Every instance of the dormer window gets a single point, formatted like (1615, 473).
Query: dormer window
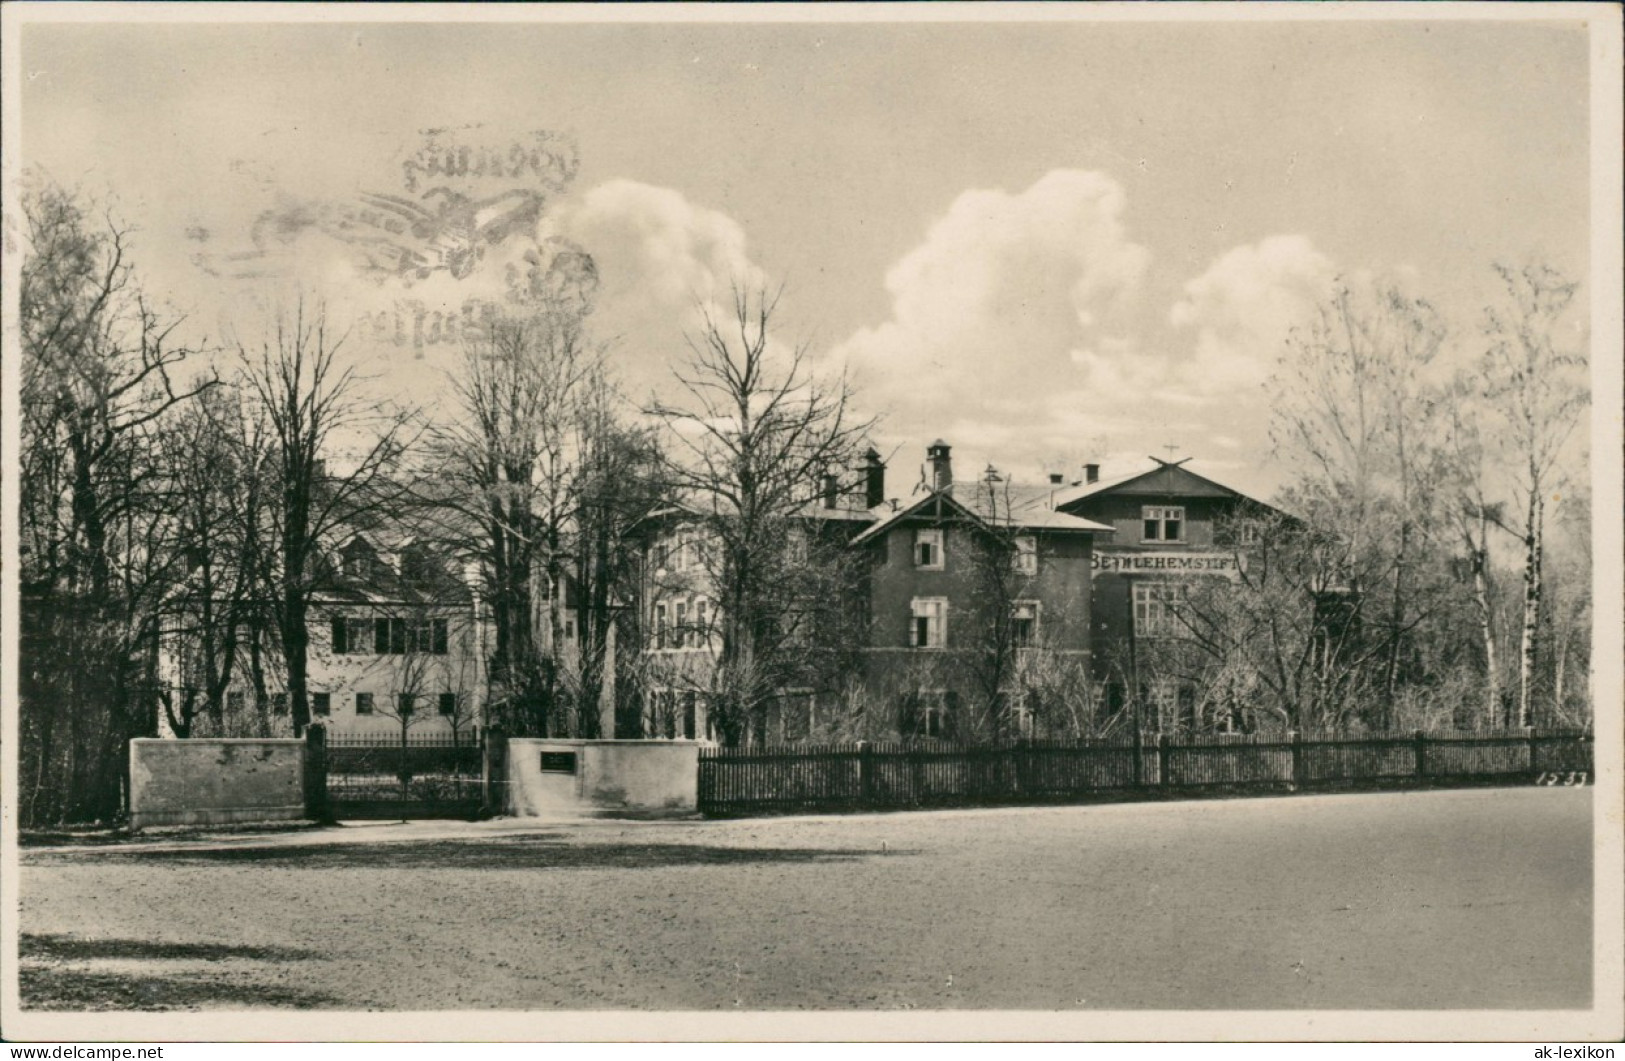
(928, 549)
(1163, 523)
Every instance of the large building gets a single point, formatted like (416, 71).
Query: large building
(975, 608)
(952, 596)
(393, 645)
(1173, 531)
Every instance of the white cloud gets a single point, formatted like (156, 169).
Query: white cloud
(1011, 302)
(1243, 308)
(659, 256)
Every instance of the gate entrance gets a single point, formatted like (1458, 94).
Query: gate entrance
(380, 776)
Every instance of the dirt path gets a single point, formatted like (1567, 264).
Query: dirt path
(1471, 899)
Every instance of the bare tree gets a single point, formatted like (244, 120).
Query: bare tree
(749, 444)
(1354, 413)
(215, 471)
(98, 367)
(510, 459)
(618, 485)
(1534, 384)
(1474, 515)
(309, 408)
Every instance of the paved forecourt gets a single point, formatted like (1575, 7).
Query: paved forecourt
(1475, 899)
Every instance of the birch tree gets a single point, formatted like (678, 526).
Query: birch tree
(1533, 384)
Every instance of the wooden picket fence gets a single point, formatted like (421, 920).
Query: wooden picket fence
(907, 774)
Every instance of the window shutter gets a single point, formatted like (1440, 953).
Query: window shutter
(440, 637)
(339, 646)
(380, 636)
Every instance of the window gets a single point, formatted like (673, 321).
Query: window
(279, 703)
(395, 637)
(405, 704)
(352, 636)
(448, 704)
(1156, 609)
(690, 708)
(363, 703)
(928, 626)
(1017, 710)
(321, 704)
(660, 626)
(1164, 523)
(928, 549)
(670, 715)
(234, 701)
(1249, 533)
(1025, 559)
(680, 633)
(795, 546)
(797, 715)
(933, 720)
(1024, 623)
(388, 636)
(427, 636)
(1162, 698)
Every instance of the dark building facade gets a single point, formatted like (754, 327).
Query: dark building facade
(1175, 534)
(964, 592)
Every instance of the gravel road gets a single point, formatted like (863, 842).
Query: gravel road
(1420, 900)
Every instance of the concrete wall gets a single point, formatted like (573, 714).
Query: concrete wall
(613, 778)
(209, 782)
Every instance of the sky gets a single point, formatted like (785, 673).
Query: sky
(1045, 243)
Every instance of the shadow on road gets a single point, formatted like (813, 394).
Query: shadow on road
(57, 988)
(536, 852)
(52, 975)
(72, 948)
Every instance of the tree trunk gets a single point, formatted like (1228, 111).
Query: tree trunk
(1486, 631)
(1531, 608)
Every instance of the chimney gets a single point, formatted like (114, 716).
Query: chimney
(942, 468)
(1056, 478)
(830, 490)
(874, 479)
(1091, 473)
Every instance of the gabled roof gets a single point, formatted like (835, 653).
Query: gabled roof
(1167, 479)
(993, 508)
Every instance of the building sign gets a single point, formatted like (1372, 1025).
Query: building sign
(1225, 565)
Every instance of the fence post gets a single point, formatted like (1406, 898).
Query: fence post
(1162, 759)
(1421, 739)
(1529, 732)
(1297, 758)
(1139, 756)
(493, 765)
(315, 763)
